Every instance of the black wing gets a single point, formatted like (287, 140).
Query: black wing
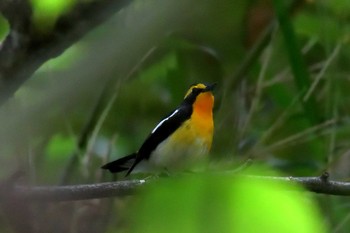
(161, 132)
(121, 164)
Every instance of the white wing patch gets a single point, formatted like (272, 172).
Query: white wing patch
(165, 119)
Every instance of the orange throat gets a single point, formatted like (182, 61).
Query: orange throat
(202, 117)
(203, 106)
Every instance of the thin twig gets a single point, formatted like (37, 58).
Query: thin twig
(341, 224)
(301, 134)
(84, 136)
(97, 127)
(322, 72)
(258, 91)
(280, 120)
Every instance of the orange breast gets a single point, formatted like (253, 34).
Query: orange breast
(202, 117)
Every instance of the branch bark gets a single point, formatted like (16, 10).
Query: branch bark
(71, 192)
(319, 185)
(123, 188)
(25, 49)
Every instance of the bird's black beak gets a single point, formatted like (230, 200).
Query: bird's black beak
(210, 87)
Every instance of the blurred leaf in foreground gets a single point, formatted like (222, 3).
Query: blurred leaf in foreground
(214, 203)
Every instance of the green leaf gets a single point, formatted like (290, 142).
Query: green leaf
(4, 27)
(209, 203)
(300, 72)
(45, 12)
(59, 146)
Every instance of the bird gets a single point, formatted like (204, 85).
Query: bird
(180, 141)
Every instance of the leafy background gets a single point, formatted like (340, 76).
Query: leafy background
(287, 109)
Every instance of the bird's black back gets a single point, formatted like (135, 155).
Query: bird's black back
(162, 132)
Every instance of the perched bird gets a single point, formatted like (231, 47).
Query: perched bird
(180, 141)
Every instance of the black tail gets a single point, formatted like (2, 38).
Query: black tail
(121, 164)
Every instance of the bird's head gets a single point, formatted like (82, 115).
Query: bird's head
(200, 96)
(196, 89)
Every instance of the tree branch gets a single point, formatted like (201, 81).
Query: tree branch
(72, 192)
(122, 188)
(25, 48)
(315, 184)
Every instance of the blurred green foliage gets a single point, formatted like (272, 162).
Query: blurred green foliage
(212, 203)
(4, 27)
(149, 53)
(45, 12)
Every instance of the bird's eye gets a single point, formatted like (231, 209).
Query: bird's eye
(196, 90)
